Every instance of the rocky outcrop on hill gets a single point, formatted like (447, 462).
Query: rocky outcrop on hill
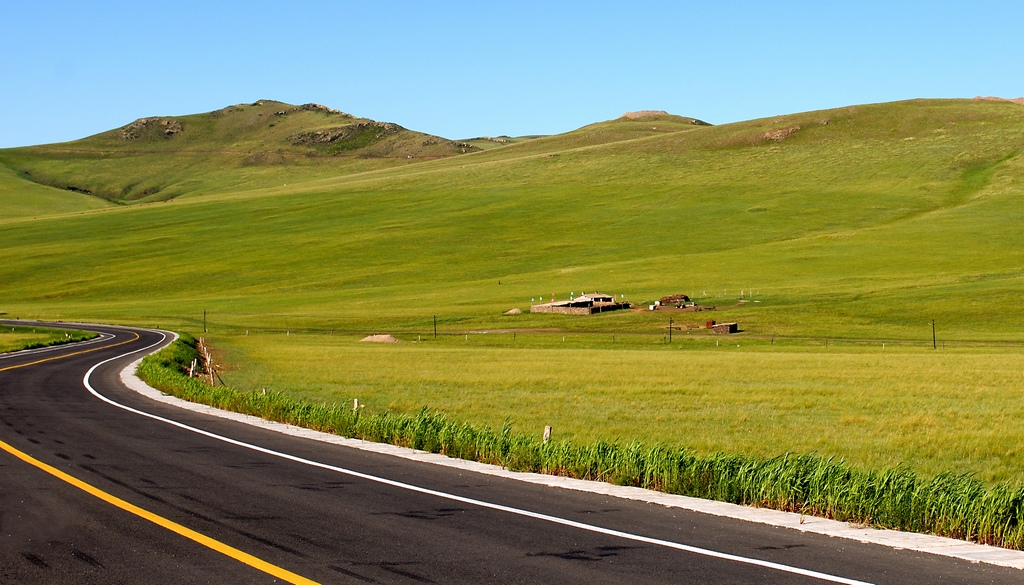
(312, 108)
(780, 134)
(319, 108)
(366, 131)
(149, 126)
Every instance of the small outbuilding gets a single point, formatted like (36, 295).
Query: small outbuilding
(723, 328)
(585, 304)
(677, 300)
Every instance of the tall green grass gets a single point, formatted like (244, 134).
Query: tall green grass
(953, 505)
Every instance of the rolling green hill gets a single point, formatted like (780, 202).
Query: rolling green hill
(159, 158)
(856, 226)
(875, 216)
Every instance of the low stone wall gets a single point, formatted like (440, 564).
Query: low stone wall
(560, 310)
(601, 308)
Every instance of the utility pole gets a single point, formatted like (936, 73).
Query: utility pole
(435, 326)
(670, 329)
(933, 335)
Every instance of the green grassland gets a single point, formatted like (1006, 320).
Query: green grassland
(856, 224)
(22, 199)
(16, 338)
(933, 411)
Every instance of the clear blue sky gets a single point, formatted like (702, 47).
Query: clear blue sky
(465, 69)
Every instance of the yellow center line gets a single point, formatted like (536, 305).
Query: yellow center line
(67, 355)
(188, 533)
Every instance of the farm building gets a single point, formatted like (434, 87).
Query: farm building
(725, 328)
(585, 304)
(677, 300)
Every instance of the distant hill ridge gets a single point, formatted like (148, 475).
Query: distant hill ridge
(269, 144)
(656, 114)
(228, 148)
(269, 124)
(1019, 100)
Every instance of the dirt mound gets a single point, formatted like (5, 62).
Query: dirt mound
(380, 339)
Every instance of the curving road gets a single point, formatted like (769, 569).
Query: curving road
(99, 484)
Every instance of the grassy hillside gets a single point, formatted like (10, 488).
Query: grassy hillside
(20, 198)
(884, 218)
(262, 143)
(861, 223)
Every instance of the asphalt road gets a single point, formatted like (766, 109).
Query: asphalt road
(351, 519)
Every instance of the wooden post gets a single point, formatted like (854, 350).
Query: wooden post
(204, 321)
(670, 329)
(209, 362)
(933, 334)
(435, 326)
(547, 434)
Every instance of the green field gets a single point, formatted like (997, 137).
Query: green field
(952, 410)
(16, 338)
(859, 226)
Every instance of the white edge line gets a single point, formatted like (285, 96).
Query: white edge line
(474, 502)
